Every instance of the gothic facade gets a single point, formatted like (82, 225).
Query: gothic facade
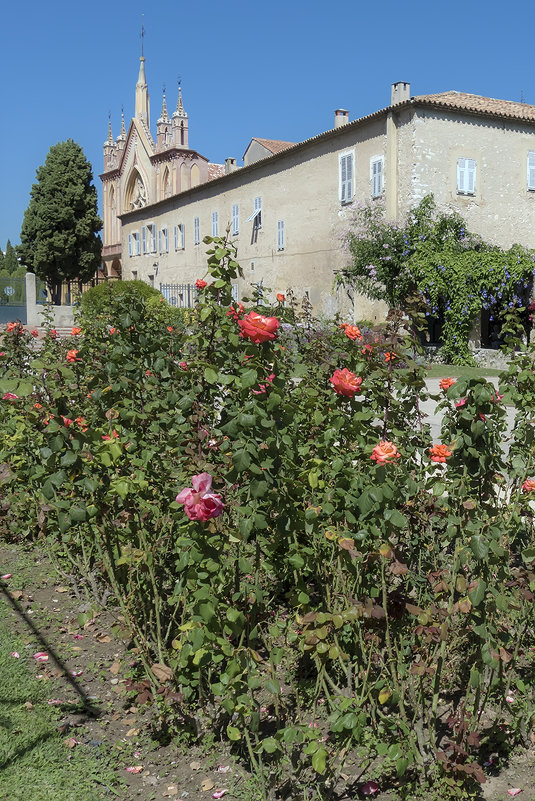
(140, 170)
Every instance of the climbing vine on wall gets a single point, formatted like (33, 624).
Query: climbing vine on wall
(431, 255)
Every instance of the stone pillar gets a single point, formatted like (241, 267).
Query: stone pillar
(32, 310)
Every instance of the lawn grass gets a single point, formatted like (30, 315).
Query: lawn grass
(35, 762)
(456, 371)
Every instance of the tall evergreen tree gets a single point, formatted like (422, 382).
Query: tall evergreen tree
(1, 259)
(59, 236)
(10, 262)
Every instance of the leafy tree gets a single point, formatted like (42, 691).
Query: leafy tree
(10, 261)
(431, 262)
(59, 236)
(1, 259)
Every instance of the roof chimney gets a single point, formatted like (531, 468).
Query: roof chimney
(341, 117)
(230, 165)
(401, 91)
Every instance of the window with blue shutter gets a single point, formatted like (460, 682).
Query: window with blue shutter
(280, 235)
(129, 244)
(182, 231)
(165, 240)
(196, 231)
(144, 238)
(176, 237)
(376, 170)
(346, 177)
(215, 223)
(466, 176)
(235, 220)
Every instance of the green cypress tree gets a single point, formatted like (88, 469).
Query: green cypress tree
(10, 262)
(59, 236)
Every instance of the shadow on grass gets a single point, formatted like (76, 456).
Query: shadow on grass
(87, 707)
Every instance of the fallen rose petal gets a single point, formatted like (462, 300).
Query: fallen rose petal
(78, 636)
(15, 654)
(514, 791)
(224, 769)
(6, 576)
(510, 699)
(370, 788)
(41, 656)
(76, 673)
(54, 701)
(135, 769)
(219, 793)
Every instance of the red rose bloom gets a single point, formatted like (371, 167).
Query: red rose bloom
(351, 331)
(446, 383)
(258, 328)
(200, 284)
(345, 382)
(439, 453)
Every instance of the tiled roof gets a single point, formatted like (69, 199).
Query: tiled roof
(274, 145)
(215, 170)
(479, 104)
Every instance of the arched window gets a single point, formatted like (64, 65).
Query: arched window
(136, 194)
(166, 183)
(195, 175)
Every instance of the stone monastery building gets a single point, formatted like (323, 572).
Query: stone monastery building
(290, 204)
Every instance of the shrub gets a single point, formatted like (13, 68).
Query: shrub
(341, 585)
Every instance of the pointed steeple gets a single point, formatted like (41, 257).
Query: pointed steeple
(122, 135)
(109, 147)
(180, 122)
(109, 140)
(164, 116)
(179, 111)
(142, 94)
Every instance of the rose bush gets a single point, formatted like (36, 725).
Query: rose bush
(350, 599)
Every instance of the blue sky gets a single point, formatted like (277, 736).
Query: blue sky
(275, 70)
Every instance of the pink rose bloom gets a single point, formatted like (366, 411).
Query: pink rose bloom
(199, 502)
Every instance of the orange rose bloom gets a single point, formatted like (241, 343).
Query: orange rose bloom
(446, 383)
(280, 297)
(75, 331)
(345, 382)
(529, 485)
(439, 453)
(385, 452)
(72, 356)
(258, 328)
(351, 331)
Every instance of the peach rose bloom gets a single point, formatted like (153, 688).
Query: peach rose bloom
(385, 452)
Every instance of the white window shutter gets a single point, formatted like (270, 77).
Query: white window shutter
(346, 177)
(471, 176)
(129, 244)
(182, 236)
(160, 240)
(235, 219)
(280, 235)
(343, 178)
(461, 173)
(531, 170)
